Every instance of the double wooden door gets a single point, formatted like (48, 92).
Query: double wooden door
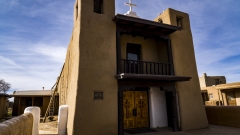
(135, 107)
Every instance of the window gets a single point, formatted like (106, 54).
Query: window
(216, 81)
(179, 22)
(210, 95)
(133, 57)
(98, 6)
(133, 51)
(26, 101)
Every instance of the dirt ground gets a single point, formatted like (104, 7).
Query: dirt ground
(49, 127)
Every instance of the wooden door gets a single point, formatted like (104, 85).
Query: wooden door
(128, 106)
(135, 104)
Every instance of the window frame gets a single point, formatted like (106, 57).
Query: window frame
(98, 8)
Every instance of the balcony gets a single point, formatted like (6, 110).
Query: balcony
(145, 67)
(133, 69)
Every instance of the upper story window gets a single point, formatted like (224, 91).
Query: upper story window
(133, 51)
(98, 6)
(179, 22)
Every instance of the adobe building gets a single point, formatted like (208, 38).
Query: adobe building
(3, 105)
(222, 94)
(124, 72)
(206, 81)
(26, 98)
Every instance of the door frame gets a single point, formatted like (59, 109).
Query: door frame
(131, 85)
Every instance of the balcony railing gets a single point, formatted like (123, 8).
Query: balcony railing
(145, 67)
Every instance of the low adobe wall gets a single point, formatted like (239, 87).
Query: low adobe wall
(21, 125)
(224, 115)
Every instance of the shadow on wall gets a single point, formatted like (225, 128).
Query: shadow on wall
(223, 115)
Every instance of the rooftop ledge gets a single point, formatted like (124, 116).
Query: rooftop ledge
(133, 22)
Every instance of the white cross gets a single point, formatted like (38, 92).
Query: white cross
(130, 4)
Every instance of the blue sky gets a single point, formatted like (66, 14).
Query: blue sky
(34, 36)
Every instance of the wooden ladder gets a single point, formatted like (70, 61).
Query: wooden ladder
(50, 109)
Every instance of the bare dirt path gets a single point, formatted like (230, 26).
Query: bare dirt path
(49, 127)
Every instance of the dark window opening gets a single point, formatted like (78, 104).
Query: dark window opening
(98, 6)
(216, 81)
(133, 51)
(133, 57)
(26, 101)
(38, 101)
(179, 22)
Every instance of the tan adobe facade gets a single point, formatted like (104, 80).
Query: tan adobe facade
(206, 81)
(222, 94)
(123, 72)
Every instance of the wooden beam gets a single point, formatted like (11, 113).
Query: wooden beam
(118, 49)
(170, 57)
(120, 113)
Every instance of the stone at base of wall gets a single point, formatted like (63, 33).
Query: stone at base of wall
(21, 125)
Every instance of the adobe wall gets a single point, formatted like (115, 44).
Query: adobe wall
(151, 49)
(90, 66)
(210, 80)
(192, 111)
(97, 72)
(223, 115)
(206, 81)
(68, 79)
(214, 91)
(21, 125)
(202, 82)
(44, 107)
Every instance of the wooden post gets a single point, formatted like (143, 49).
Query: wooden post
(170, 57)
(175, 111)
(118, 49)
(120, 113)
